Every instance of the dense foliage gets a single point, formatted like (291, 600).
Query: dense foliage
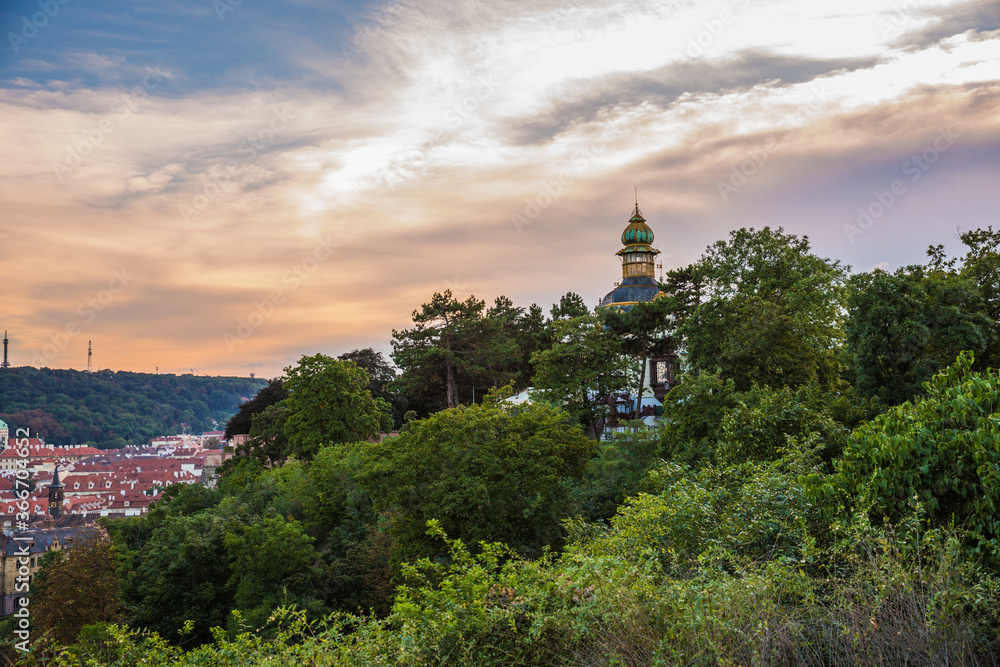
(113, 409)
(821, 490)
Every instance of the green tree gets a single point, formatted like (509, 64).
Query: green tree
(769, 312)
(904, 327)
(76, 586)
(937, 458)
(487, 472)
(570, 305)
(693, 412)
(267, 442)
(381, 375)
(765, 422)
(431, 354)
(583, 370)
(617, 470)
(646, 330)
(183, 575)
(329, 403)
(274, 392)
(272, 564)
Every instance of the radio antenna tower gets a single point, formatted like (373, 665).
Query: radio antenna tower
(90, 357)
(5, 364)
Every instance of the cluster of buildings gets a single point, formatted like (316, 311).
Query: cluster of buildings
(68, 488)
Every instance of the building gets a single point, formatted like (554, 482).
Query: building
(639, 285)
(37, 451)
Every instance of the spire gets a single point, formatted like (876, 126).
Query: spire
(55, 494)
(637, 214)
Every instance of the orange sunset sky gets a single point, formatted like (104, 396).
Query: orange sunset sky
(225, 186)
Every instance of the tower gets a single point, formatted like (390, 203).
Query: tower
(5, 364)
(639, 285)
(55, 494)
(90, 357)
(638, 266)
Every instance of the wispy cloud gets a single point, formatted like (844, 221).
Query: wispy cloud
(411, 133)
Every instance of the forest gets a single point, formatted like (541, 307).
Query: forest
(108, 409)
(821, 488)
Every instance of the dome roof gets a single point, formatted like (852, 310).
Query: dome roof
(637, 231)
(632, 290)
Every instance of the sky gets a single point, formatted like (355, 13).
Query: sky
(223, 186)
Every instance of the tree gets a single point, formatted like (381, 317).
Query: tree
(432, 352)
(267, 442)
(570, 305)
(272, 564)
(764, 420)
(76, 586)
(904, 327)
(936, 458)
(271, 394)
(183, 575)
(487, 472)
(646, 330)
(769, 311)
(329, 403)
(531, 335)
(381, 375)
(582, 370)
(693, 412)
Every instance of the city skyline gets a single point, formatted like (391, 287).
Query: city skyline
(222, 187)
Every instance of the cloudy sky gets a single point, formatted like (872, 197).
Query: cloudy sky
(223, 186)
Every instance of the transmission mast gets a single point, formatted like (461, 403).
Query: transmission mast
(90, 357)
(5, 364)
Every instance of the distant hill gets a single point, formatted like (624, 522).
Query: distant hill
(109, 410)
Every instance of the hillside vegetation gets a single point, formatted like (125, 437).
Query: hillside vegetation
(113, 409)
(821, 490)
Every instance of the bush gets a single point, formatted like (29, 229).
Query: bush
(938, 457)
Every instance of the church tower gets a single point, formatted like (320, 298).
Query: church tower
(55, 494)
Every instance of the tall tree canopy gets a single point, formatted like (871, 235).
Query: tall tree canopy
(584, 368)
(440, 343)
(768, 313)
(487, 472)
(77, 586)
(270, 394)
(459, 350)
(329, 403)
(905, 326)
